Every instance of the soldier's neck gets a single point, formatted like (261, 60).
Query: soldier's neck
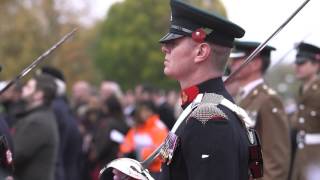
(198, 78)
(307, 83)
(249, 79)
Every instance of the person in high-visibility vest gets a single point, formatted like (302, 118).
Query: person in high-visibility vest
(147, 134)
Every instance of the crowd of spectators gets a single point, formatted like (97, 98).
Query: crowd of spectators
(87, 128)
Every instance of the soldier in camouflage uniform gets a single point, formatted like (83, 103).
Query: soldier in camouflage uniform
(265, 108)
(307, 118)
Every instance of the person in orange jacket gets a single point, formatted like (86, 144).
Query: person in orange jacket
(147, 134)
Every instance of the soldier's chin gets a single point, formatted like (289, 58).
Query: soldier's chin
(166, 72)
(301, 77)
(169, 74)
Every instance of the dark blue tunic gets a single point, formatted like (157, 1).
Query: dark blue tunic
(216, 150)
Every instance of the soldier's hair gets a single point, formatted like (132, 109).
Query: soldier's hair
(47, 85)
(220, 57)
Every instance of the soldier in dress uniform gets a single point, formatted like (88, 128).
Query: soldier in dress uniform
(265, 108)
(212, 142)
(306, 119)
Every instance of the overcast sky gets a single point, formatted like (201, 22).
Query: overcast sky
(260, 18)
(101, 7)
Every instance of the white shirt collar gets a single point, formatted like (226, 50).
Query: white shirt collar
(249, 87)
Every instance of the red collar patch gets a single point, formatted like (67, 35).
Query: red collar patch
(189, 94)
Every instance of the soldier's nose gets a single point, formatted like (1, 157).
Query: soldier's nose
(164, 49)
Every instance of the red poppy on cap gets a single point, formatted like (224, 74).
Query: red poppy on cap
(199, 35)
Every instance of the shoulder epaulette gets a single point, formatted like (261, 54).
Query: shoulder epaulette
(208, 109)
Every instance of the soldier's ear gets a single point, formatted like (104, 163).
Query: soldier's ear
(203, 51)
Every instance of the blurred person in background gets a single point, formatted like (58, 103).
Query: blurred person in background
(110, 134)
(11, 103)
(81, 92)
(89, 125)
(143, 92)
(36, 135)
(264, 106)
(108, 89)
(232, 86)
(70, 139)
(174, 100)
(148, 92)
(165, 111)
(86, 107)
(128, 102)
(92, 115)
(146, 135)
(305, 121)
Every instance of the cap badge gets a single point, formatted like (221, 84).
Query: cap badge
(199, 35)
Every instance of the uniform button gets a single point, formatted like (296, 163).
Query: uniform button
(301, 107)
(254, 113)
(255, 92)
(265, 87)
(313, 113)
(274, 110)
(300, 145)
(315, 87)
(300, 139)
(271, 92)
(301, 120)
